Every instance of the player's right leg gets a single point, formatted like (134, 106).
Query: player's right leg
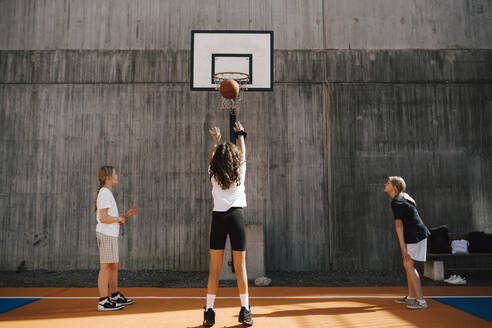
(218, 236)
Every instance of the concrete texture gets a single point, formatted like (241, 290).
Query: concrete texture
(312, 24)
(437, 136)
(89, 83)
(299, 66)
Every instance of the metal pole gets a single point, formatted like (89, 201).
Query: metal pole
(232, 121)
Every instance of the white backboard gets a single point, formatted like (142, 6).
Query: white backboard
(249, 52)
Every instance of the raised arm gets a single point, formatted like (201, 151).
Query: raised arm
(240, 140)
(215, 133)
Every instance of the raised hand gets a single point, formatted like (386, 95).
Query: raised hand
(238, 127)
(215, 133)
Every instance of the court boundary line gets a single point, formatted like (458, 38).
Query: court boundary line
(237, 297)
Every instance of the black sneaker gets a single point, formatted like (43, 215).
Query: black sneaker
(119, 299)
(106, 304)
(245, 316)
(208, 317)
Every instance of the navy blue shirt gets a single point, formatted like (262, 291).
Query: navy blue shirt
(414, 230)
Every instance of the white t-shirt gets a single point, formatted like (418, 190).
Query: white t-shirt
(234, 196)
(105, 199)
(460, 246)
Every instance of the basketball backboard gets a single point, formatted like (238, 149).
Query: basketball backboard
(249, 52)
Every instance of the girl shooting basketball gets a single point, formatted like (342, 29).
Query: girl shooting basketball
(412, 236)
(107, 231)
(227, 170)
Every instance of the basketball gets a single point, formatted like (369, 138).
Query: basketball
(229, 89)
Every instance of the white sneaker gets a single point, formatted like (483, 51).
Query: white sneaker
(263, 281)
(418, 305)
(458, 281)
(405, 300)
(107, 305)
(450, 278)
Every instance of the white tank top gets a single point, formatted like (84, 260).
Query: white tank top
(234, 196)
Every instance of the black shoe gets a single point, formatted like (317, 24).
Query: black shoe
(208, 317)
(245, 316)
(106, 304)
(119, 299)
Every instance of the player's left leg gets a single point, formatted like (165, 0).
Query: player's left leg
(419, 303)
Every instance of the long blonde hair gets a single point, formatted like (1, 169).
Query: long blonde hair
(102, 174)
(400, 186)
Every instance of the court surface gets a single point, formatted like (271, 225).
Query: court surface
(271, 307)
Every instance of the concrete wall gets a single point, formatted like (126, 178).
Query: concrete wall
(55, 136)
(88, 83)
(310, 24)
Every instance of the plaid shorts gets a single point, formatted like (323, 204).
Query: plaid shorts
(108, 248)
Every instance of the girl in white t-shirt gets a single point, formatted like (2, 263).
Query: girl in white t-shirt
(227, 170)
(107, 232)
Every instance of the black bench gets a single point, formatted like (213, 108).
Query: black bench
(434, 267)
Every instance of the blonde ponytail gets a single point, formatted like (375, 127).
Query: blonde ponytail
(410, 199)
(400, 186)
(94, 208)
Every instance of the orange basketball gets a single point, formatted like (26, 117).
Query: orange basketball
(229, 89)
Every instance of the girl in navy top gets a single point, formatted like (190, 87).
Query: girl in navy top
(412, 236)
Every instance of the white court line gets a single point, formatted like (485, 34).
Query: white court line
(231, 297)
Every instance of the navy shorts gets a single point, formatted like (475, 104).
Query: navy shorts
(229, 223)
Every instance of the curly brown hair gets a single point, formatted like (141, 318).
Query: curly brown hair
(225, 163)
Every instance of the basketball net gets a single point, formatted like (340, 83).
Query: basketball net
(232, 104)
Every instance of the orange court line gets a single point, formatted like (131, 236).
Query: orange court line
(267, 312)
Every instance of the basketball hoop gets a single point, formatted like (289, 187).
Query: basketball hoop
(242, 79)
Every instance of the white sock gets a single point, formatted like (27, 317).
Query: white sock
(210, 301)
(244, 300)
(410, 298)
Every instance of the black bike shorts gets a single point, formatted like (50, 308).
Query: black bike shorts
(229, 223)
